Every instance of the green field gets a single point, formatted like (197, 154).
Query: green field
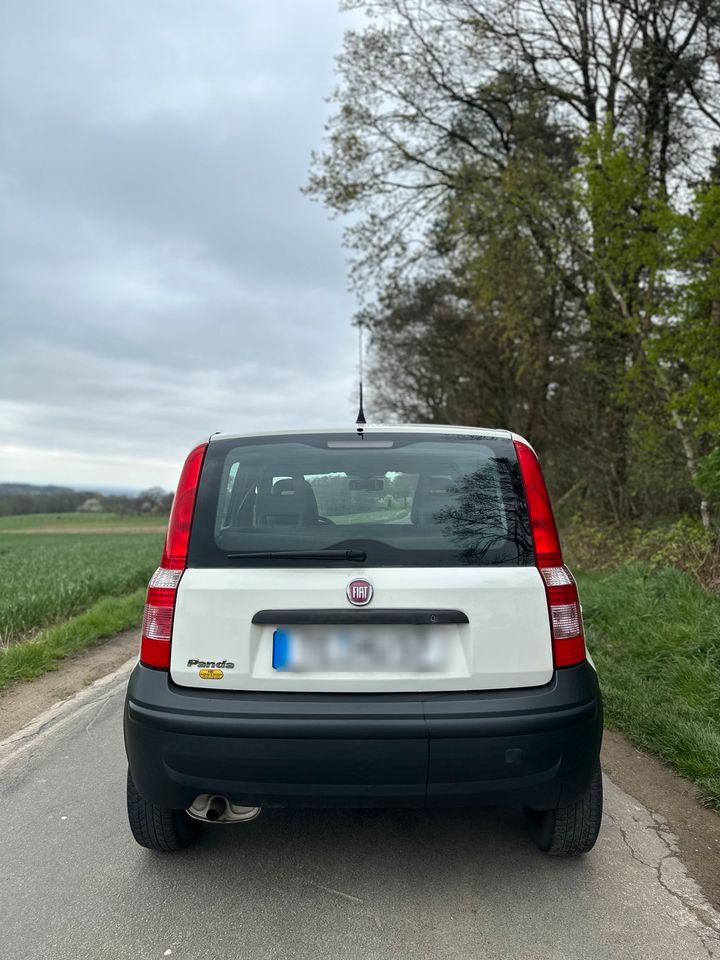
(61, 521)
(67, 581)
(45, 578)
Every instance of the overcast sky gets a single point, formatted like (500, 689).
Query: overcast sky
(161, 276)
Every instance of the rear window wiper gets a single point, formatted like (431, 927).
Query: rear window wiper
(299, 555)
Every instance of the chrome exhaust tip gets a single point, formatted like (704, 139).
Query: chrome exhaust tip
(212, 808)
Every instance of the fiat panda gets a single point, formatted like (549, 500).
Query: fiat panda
(373, 618)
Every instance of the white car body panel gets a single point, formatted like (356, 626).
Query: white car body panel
(505, 644)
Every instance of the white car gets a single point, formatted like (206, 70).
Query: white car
(378, 618)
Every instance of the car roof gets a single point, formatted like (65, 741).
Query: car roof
(373, 429)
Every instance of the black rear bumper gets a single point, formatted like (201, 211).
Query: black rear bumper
(535, 746)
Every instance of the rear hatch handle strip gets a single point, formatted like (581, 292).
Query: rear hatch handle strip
(393, 616)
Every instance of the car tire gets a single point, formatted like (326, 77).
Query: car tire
(166, 831)
(572, 830)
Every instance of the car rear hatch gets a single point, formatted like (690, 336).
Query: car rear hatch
(397, 562)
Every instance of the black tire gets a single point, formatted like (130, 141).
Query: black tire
(570, 831)
(156, 828)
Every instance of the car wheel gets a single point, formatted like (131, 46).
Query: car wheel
(157, 828)
(572, 830)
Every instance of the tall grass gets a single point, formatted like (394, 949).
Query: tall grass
(655, 637)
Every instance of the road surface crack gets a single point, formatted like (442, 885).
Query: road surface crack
(624, 837)
(709, 936)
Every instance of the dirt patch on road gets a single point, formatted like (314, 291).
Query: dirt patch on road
(675, 799)
(24, 701)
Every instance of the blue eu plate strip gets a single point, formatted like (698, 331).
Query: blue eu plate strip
(281, 650)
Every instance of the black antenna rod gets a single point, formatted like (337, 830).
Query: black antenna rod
(361, 421)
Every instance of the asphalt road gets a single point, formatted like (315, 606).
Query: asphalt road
(388, 885)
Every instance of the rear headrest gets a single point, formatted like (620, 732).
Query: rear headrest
(289, 502)
(431, 495)
(287, 486)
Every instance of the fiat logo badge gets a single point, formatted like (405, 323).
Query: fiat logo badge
(359, 592)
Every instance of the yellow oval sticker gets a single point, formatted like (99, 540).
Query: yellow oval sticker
(211, 674)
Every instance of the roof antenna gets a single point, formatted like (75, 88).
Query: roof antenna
(361, 421)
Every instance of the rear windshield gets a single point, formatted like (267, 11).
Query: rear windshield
(402, 500)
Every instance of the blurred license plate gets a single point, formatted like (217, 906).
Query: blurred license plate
(368, 650)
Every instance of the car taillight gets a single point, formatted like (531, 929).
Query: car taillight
(158, 618)
(566, 626)
(162, 589)
(178, 534)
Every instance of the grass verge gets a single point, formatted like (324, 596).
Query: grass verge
(655, 637)
(32, 658)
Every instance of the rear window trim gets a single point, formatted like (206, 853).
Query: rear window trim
(204, 553)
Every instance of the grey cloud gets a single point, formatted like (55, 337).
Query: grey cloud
(162, 276)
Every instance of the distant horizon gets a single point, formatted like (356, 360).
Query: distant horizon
(103, 488)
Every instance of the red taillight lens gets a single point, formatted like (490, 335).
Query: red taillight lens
(178, 534)
(566, 626)
(162, 589)
(542, 522)
(158, 618)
